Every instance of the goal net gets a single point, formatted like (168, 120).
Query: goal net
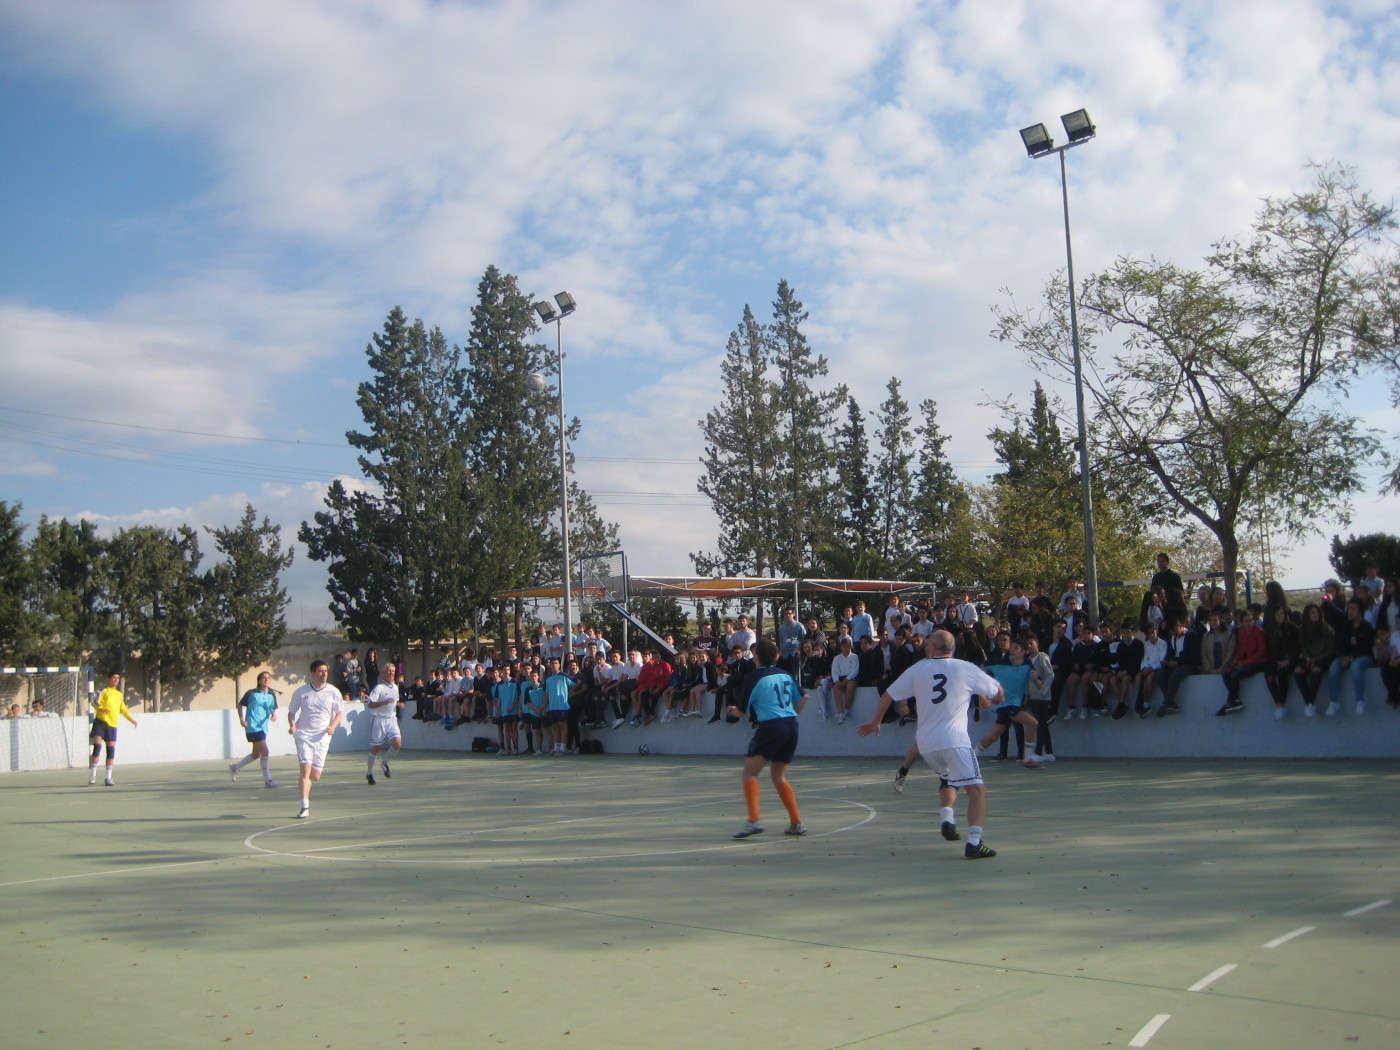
(51, 704)
(602, 578)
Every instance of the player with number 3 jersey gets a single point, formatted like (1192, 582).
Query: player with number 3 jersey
(941, 688)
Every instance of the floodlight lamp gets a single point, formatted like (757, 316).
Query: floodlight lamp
(1078, 126)
(1037, 139)
(566, 303)
(546, 310)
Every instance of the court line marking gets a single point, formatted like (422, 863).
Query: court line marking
(321, 853)
(1148, 1030)
(1289, 936)
(1210, 978)
(1364, 909)
(142, 867)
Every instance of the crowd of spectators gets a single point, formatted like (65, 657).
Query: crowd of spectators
(1135, 666)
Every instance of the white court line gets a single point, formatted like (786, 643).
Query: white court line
(1364, 909)
(1148, 1030)
(1289, 936)
(1210, 978)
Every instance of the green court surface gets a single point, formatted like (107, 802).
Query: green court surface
(589, 902)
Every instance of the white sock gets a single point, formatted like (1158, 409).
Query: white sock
(974, 835)
(305, 805)
(370, 768)
(243, 761)
(267, 774)
(109, 774)
(947, 815)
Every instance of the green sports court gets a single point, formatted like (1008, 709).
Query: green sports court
(599, 902)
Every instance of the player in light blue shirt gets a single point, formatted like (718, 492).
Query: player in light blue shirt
(1014, 679)
(256, 708)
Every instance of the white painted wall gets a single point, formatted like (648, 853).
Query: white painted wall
(185, 736)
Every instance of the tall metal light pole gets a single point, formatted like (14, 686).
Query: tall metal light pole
(1080, 129)
(549, 315)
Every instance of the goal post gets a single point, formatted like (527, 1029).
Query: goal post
(47, 710)
(602, 578)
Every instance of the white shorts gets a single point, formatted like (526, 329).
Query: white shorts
(957, 765)
(383, 730)
(311, 750)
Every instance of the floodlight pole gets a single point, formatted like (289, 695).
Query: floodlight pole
(1043, 147)
(1091, 569)
(549, 315)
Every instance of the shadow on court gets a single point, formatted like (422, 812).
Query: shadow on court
(601, 903)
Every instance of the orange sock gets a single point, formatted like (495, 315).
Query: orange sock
(751, 799)
(789, 798)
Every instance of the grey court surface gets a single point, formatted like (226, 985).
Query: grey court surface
(599, 902)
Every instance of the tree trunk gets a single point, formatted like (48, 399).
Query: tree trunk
(1230, 559)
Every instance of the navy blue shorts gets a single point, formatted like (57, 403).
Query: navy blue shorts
(508, 720)
(255, 738)
(103, 731)
(775, 740)
(555, 717)
(1006, 715)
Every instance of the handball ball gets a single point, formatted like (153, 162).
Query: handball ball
(642, 749)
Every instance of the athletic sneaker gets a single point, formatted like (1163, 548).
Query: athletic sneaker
(1031, 763)
(619, 723)
(950, 831)
(302, 814)
(1121, 711)
(1360, 707)
(1310, 710)
(1143, 709)
(747, 830)
(1168, 709)
(385, 766)
(1083, 714)
(269, 783)
(108, 782)
(233, 771)
(92, 778)
(1332, 709)
(1279, 712)
(795, 829)
(978, 852)
(370, 777)
(1231, 707)
(1045, 758)
(899, 779)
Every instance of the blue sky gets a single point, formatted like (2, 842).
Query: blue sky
(208, 207)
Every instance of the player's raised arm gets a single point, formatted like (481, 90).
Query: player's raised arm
(873, 726)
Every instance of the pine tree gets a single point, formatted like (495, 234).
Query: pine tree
(740, 458)
(856, 526)
(803, 484)
(246, 597)
(394, 547)
(941, 504)
(894, 489)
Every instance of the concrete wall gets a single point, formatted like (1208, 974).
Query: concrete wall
(183, 736)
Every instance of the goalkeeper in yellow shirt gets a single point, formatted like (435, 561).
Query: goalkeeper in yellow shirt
(109, 706)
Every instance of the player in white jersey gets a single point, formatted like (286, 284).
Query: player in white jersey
(313, 716)
(942, 688)
(383, 705)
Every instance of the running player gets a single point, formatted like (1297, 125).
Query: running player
(313, 716)
(947, 794)
(773, 700)
(942, 688)
(383, 703)
(256, 708)
(1015, 678)
(109, 707)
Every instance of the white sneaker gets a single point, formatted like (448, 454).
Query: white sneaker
(1045, 758)
(303, 813)
(747, 830)
(269, 783)
(1309, 710)
(233, 771)
(1083, 714)
(1332, 709)
(92, 777)
(1360, 707)
(1279, 712)
(619, 723)
(899, 783)
(665, 718)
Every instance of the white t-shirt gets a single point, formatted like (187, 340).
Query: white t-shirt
(1153, 653)
(313, 710)
(845, 667)
(924, 628)
(895, 618)
(383, 691)
(941, 688)
(743, 636)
